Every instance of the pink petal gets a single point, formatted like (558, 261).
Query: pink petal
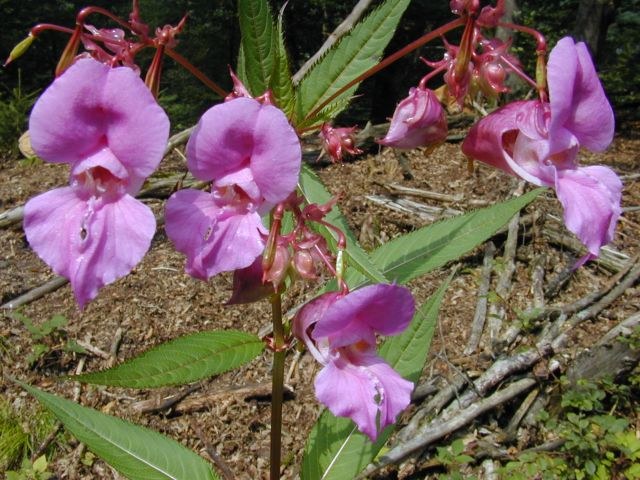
(92, 106)
(380, 308)
(311, 313)
(213, 240)
(578, 102)
(244, 134)
(419, 120)
(367, 391)
(92, 243)
(591, 200)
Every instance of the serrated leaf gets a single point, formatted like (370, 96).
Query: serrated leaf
(281, 83)
(355, 53)
(419, 252)
(136, 452)
(258, 44)
(328, 113)
(180, 361)
(314, 192)
(336, 449)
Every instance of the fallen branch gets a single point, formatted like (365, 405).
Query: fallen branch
(477, 324)
(36, 293)
(441, 428)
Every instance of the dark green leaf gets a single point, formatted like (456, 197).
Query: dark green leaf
(183, 360)
(419, 252)
(136, 452)
(258, 44)
(355, 53)
(281, 83)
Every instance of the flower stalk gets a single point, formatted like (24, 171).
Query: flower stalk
(277, 390)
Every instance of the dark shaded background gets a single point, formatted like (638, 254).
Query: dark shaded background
(210, 41)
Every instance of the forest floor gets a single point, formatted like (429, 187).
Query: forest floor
(230, 413)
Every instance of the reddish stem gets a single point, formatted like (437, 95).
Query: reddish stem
(391, 59)
(196, 72)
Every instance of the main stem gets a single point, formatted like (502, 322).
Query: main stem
(277, 386)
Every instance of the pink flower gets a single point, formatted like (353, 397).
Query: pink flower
(418, 121)
(340, 332)
(252, 156)
(107, 126)
(539, 142)
(338, 141)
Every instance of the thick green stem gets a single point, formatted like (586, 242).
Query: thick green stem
(277, 385)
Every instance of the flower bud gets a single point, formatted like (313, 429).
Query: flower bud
(419, 120)
(304, 264)
(19, 49)
(279, 267)
(338, 141)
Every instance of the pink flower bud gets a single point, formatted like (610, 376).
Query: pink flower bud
(304, 264)
(419, 120)
(338, 141)
(278, 270)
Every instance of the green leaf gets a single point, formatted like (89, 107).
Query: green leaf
(136, 452)
(355, 53)
(257, 43)
(281, 83)
(419, 252)
(183, 360)
(314, 192)
(336, 449)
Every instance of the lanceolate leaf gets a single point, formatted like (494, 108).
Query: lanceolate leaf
(355, 53)
(183, 360)
(281, 83)
(336, 449)
(419, 252)
(136, 452)
(258, 44)
(315, 192)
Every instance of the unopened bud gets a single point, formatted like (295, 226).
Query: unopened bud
(278, 270)
(304, 264)
(20, 49)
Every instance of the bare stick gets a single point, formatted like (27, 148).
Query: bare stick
(38, 292)
(161, 404)
(15, 215)
(227, 473)
(340, 30)
(477, 325)
(440, 428)
(497, 310)
(115, 346)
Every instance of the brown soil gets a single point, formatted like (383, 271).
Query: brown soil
(158, 302)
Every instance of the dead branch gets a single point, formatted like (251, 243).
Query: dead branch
(440, 428)
(36, 293)
(427, 213)
(227, 473)
(346, 25)
(162, 404)
(497, 310)
(477, 324)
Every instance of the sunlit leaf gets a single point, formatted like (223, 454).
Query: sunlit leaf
(183, 360)
(136, 452)
(356, 52)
